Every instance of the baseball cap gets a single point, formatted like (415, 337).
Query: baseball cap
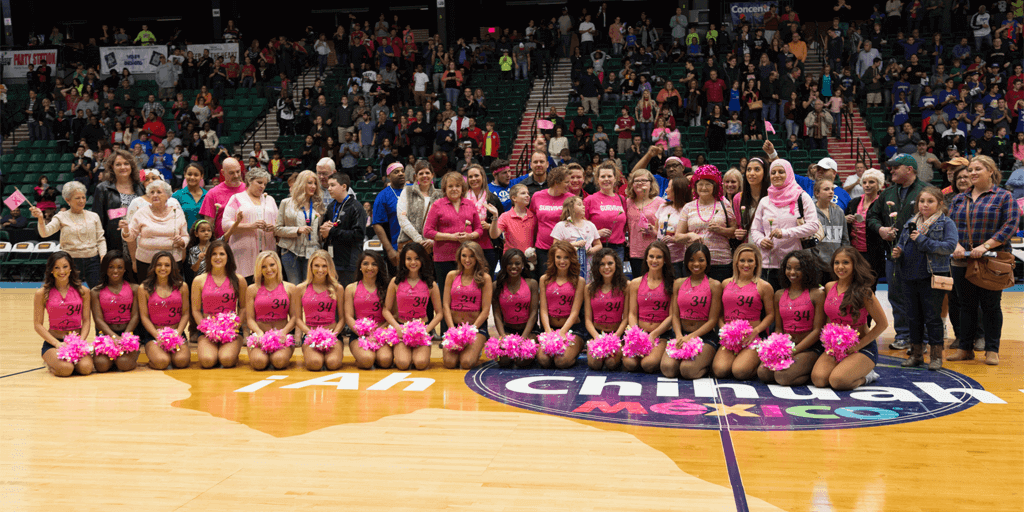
(828, 163)
(956, 162)
(902, 159)
(522, 45)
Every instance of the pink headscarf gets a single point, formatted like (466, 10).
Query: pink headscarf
(789, 193)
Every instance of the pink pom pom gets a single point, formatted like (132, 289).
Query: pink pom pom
(254, 341)
(321, 339)
(222, 328)
(129, 343)
(74, 349)
(369, 344)
(689, 350)
(553, 343)
(274, 340)
(776, 351)
(364, 326)
(838, 339)
(496, 348)
(458, 338)
(605, 345)
(636, 342)
(415, 334)
(169, 340)
(733, 333)
(386, 336)
(520, 348)
(105, 345)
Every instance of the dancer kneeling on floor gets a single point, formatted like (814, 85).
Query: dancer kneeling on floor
(218, 290)
(271, 304)
(848, 301)
(410, 293)
(366, 298)
(560, 303)
(745, 297)
(321, 295)
(467, 299)
(515, 301)
(66, 302)
(799, 312)
(605, 304)
(649, 299)
(162, 304)
(699, 300)
(115, 310)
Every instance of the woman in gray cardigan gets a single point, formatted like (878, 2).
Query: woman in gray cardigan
(833, 233)
(413, 205)
(298, 225)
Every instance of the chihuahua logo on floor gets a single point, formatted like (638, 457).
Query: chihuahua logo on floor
(899, 396)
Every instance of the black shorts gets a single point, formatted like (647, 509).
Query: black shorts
(46, 346)
(710, 338)
(817, 348)
(871, 351)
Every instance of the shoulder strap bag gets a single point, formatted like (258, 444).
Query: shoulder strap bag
(989, 272)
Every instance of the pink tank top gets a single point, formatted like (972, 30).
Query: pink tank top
(741, 303)
(652, 305)
(65, 312)
(219, 299)
(465, 297)
(695, 301)
(560, 298)
(608, 307)
(515, 307)
(320, 308)
(797, 314)
(367, 304)
(117, 307)
(832, 302)
(271, 306)
(412, 300)
(165, 312)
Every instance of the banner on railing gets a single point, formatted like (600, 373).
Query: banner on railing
(225, 50)
(750, 12)
(138, 59)
(16, 62)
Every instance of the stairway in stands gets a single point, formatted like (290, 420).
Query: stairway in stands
(20, 133)
(267, 135)
(558, 97)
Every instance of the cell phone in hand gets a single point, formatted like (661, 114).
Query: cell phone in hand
(911, 227)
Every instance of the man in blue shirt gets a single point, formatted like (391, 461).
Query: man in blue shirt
(827, 169)
(147, 145)
(349, 152)
(162, 162)
(385, 213)
(499, 187)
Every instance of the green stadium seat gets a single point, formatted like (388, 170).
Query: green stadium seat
(718, 158)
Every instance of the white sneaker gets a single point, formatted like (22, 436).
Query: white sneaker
(871, 377)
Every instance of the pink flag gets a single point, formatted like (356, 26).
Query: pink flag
(768, 127)
(544, 124)
(15, 200)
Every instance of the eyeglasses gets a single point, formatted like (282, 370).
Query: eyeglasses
(641, 180)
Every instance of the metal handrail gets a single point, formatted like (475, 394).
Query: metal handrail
(522, 164)
(261, 120)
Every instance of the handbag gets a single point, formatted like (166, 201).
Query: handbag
(989, 272)
(811, 241)
(942, 283)
(755, 105)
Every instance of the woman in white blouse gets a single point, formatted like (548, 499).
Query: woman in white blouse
(255, 232)
(298, 225)
(81, 232)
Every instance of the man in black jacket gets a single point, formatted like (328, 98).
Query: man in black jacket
(344, 227)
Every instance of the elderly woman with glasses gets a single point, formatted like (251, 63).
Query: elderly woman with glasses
(81, 232)
(255, 232)
(156, 226)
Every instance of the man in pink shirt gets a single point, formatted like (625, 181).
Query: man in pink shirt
(213, 204)
(714, 90)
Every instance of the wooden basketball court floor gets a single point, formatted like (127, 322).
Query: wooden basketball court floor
(189, 439)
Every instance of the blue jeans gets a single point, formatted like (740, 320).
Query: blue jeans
(522, 71)
(294, 267)
(924, 311)
(645, 130)
(897, 300)
(991, 312)
(452, 95)
(771, 111)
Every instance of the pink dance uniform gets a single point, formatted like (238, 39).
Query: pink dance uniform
(797, 315)
(65, 312)
(219, 299)
(741, 303)
(367, 304)
(608, 307)
(117, 307)
(165, 311)
(695, 301)
(320, 309)
(652, 305)
(465, 297)
(515, 306)
(832, 302)
(560, 298)
(412, 300)
(271, 306)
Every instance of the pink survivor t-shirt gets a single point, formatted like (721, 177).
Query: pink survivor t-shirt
(548, 210)
(606, 212)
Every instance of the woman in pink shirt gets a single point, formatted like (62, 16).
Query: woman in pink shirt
(642, 203)
(453, 219)
(163, 303)
(708, 219)
(66, 302)
(519, 224)
(467, 299)
(547, 206)
(220, 289)
(488, 207)
(778, 226)
(561, 298)
(410, 293)
(156, 227)
(255, 233)
(607, 209)
(366, 298)
(271, 303)
(114, 309)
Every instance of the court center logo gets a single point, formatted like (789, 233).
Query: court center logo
(900, 396)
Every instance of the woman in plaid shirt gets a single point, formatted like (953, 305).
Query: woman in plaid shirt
(993, 220)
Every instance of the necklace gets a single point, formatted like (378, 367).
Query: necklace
(700, 215)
